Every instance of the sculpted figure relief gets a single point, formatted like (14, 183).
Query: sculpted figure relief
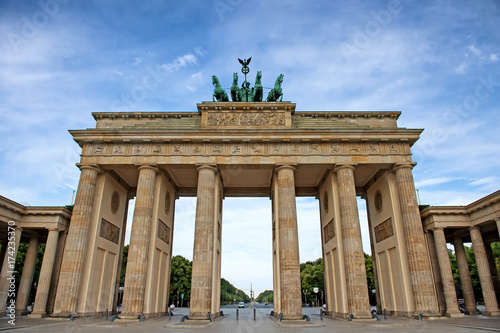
(246, 119)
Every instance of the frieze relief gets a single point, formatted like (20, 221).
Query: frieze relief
(163, 232)
(109, 231)
(384, 230)
(246, 119)
(246, 149)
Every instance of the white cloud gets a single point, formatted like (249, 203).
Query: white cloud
(475, 51)
(493, 57)
(433, 181)
(180, 62)
(460, 69)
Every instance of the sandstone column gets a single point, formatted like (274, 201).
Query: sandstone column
(289, 262)
(436, 271)
(24, 290)
(137, 262)
(418, 260)
(490, 299)
(44, 280)
(203, 248)
(56, 270)
(465, 280)
(450, 295)
(76, 245)
(357, 289)
(493, 269)
(14, 237)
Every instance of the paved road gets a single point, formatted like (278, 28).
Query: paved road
(263, 323)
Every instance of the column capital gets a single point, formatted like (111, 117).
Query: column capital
(153, 167)
(438, 228)
(474, 228)
(54, 229)
(94, 167)
(285, 166)
(338, 167)
(207, 166)
(398, 166)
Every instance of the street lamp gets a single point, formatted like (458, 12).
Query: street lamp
(305, 295)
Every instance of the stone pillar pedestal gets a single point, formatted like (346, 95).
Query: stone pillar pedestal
(14, 235)
(76, 245)
(24, 290)
(418, 260)
(135, 277)
(357, 288)
(465, 280)
(490, 299)
(44, 280)
(450, 294)
(288, 252)
(201, 281)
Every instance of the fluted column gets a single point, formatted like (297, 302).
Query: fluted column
(9, 262)
(56, 270)
(289, 262)
(137, 262)
(76, 245)
(465, 280)
(24, 290)
(493, 269)
(418, 260)
(357, 288)
(450, 295)
(44, 280)
(490, 299)
(436, 271)
(201, 281)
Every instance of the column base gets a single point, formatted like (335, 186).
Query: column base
(292, 317)
(129, 317)
(455, 315)
(64, 315)
(198, 316)
(474, 312)
(35, 315)
(429, 315)
(491, 313)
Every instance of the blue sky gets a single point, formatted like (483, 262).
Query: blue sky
(436, 61)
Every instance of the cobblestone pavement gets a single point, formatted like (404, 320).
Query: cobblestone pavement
(262, 323)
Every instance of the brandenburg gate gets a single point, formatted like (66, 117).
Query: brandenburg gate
(238, 149)
(246, 147)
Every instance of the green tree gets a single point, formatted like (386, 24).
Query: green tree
(124, 265)
(20, 258)
(265, 296)
(180, 279)
(370, 278)
(311, 275)
(229, 293)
